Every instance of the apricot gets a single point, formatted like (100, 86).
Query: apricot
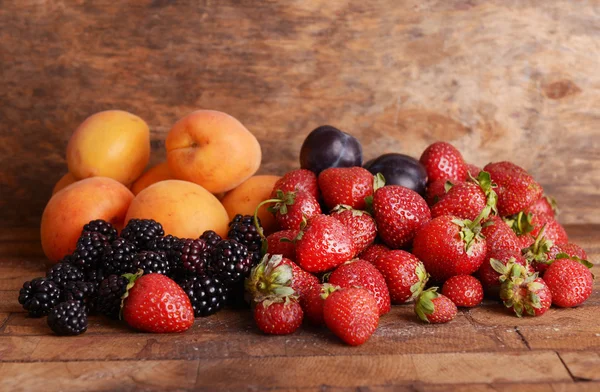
(183, 208)
(72, 207)
(64, 182)
(244, 199)
(212, 149)
(153, 175)
(113, 144)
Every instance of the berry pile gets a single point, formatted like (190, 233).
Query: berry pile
(107, 272)
(350, 244)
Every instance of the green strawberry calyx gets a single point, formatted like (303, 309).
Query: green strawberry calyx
(343, 207)
(553, 204)
(484, 180)
(520, 223)
(131, 279)
(424, 305)
(422, 277)
(270, 278)
(503, 269)
(327, 289)
(519, 291)
(378, 182)
(538, 251)
(470, 231)
(280, 203)
(563, 255)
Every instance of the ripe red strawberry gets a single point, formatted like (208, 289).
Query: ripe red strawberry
(278, 316)
(448, 246)
(404, 274)
(325, 244)
(435, 308)
(282, 243)
(497, 266)
(351, 314)
(516, 188)
(553, 230)
(346, 185)
(570, 282)
(373, 252)
(466, 200)
(360, 224)
(525, 294)
(443, 161)
(399, 213)
(464, 290)
(538, 253)
(544, 206)
(361, 273)
(525, 241)
(157, 304)
(498, 235)
(292, 208)
(473, 170)
(313, 302)
(297, 180)
(437, 190)
(278, 276)
(570, 249)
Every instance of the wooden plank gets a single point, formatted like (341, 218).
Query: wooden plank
(398, 76)
(107, 375)
(9, 302)
(14, 271)
(495, 387)
(583, 366)
(352, 371)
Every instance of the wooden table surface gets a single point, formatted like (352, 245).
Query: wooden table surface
(483, 349)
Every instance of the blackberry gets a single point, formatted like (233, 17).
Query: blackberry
(152, 263)
(211, 238)
(110, 292)
(194, 256)
(84, 292)
(207, 295)
(243, 230)
(39, 296)
(230, 261)
(141, 232)
(63, 273)
(118, 257)
(170, 245)
(89, 250)
(102, 227)
(68, 318)
(95, 276)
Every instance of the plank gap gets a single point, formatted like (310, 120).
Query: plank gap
(518, 331)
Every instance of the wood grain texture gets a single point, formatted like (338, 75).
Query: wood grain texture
(500, 79)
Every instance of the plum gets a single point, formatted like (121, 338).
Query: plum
(326, 147)
(400, 169)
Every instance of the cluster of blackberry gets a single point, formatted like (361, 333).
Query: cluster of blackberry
(94, 278)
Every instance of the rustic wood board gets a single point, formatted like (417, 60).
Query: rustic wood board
(483, 349)
(500, 79)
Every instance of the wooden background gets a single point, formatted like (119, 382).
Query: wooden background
(500, 79)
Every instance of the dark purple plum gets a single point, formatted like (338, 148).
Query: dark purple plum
(327, 147)
(400, 169)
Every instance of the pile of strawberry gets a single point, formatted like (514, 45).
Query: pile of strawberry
(350, 246)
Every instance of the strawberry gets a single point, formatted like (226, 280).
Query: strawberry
(282, 243)
(404, 274)
(467, 199)
(278, 276)
(351, 314)
(373, 252)
(525, 293)
(498, 235)
(448, 246)
(278, 316)
(570, 249)
(313, 301)
(361, 273)
(399, 213)
(473, 170)
(544, 206)
(570, 281)
(292, 208)
(497, 266)
(297, 180)
(155, 303)
(360, 224)
(464, 290)
(537, 254)
(516, 188)
(553, 232)
(437, 189)
(443, 161)
(435, 308)
(324, 244)
(346, 185)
